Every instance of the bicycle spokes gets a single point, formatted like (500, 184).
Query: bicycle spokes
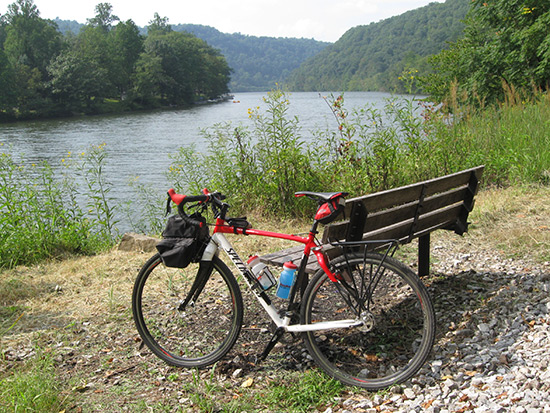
(358, 282)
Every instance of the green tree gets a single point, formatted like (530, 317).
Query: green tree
(159, 25)
(99, 63)
(30, 43)
(40, 74)
(3, 25)
(92, 45)
(183, 65)
(505, 45)
(7, 80)
(30, 40)
(104, 17)
(75, 79)
(215, 74)
(127, 45)
(147, 79)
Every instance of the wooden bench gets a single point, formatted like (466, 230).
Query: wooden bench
(403, 214)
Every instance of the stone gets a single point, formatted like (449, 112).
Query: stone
(132, 241)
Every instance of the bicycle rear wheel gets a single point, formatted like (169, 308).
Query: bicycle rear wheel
(198, 335)
(398, 321)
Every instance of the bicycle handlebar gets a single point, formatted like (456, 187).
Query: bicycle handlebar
(214, 197)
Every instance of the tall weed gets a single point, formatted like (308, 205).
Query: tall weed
(42, 216)
(143, 212)
(90, 168)
(370, 149)
(258, 168)
(512, 140)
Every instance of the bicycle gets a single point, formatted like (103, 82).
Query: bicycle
(366, 318)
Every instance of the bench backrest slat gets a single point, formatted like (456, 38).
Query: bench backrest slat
(427, 223)
(402, 213)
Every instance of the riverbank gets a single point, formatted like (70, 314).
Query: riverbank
(67, 332)
(110, 107)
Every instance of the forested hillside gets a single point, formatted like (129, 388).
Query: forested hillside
(373, 57)
(370, 57)
(257, 62)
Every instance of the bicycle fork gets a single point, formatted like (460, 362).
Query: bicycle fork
(203, 274)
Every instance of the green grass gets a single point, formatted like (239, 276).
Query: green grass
(33, 388)
(512, 141)
(309, 391)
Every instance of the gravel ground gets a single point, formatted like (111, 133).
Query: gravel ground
(492, 352)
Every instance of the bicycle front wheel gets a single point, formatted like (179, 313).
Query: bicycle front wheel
(201, 333)
(398, 321)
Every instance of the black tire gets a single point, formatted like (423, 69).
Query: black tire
(201, 334)
(398, 308)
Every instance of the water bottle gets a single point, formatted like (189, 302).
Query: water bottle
(286, 280)
(261, 272)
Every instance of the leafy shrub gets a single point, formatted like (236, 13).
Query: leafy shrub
(258, 168)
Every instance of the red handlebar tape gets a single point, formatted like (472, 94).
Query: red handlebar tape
(177, 198)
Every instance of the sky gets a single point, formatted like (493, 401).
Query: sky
(324, 20)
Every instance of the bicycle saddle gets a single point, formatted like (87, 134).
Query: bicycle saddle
(324, 196)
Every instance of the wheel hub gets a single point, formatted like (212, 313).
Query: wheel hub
(368, 321)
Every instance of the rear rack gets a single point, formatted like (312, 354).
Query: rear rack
(348, 247)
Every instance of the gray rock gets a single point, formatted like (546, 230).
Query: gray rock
(137, 242)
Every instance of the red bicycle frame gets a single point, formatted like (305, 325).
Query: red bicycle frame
(309, 241)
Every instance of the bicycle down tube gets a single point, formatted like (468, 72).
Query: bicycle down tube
(219, 240)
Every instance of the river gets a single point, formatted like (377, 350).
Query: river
(138, 144)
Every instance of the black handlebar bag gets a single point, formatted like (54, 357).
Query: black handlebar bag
(183, 240)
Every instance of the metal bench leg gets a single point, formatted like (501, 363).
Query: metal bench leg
(424, 255)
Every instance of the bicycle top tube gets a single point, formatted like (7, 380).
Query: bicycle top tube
(224, 228)
(310, 244)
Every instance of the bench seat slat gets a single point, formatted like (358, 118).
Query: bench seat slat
(293, 254)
